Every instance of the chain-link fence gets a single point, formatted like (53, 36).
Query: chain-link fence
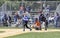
(10, 7)
(36, 6)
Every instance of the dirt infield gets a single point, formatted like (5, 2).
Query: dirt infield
(11, 32)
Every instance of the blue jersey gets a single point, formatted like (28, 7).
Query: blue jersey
(25, 18)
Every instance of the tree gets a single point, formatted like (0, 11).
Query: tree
(1, 2)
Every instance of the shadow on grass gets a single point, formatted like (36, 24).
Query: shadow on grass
(2, 31)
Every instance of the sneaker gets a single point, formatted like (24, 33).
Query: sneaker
(23, 30)
(30, 29)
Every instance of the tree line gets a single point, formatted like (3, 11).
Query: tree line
(3, 1)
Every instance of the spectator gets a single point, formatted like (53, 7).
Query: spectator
(55, 19)
(19, 20)
(5, 20)
(16, 16)
(21, 11)
(58, 21)
(28, 8)
(9, 20)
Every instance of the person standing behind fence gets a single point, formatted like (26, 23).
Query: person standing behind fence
(16, 17)
(5, 20)
(21, 10)
(28, 8)
(55, 19)
(58, 21)
(25, 22)
(9, 21)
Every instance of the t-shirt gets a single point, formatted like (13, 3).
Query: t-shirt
(37, 23)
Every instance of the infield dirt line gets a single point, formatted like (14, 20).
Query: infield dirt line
(12, 32)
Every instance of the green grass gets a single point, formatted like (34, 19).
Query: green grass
(2, 31)
(37, 35)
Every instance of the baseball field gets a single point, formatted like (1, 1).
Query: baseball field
(19, 33)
